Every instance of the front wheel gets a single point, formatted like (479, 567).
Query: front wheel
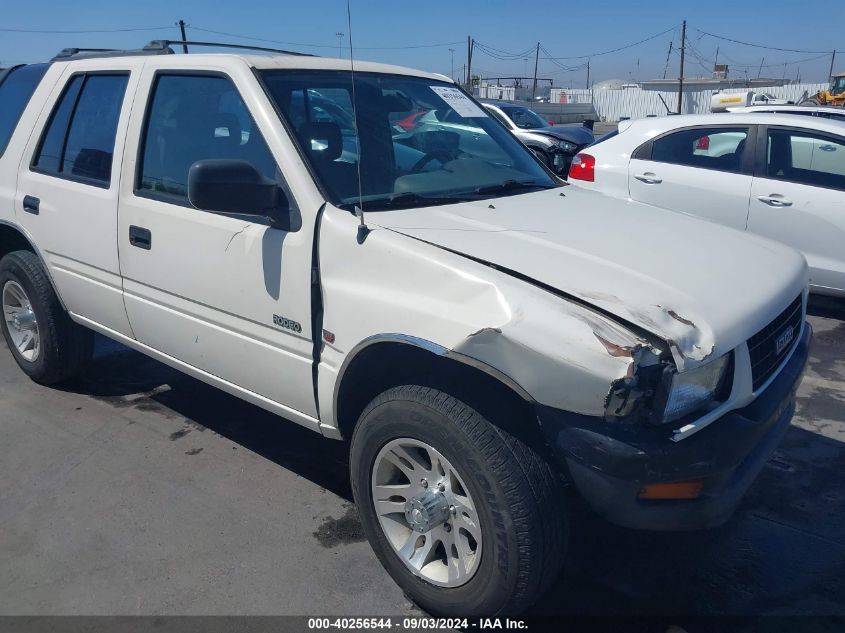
(466, 518)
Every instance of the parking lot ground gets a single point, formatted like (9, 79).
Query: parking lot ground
(138, 490)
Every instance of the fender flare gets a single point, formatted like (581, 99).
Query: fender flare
(434, 348)
(25, 235)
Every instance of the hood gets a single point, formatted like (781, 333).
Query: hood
(577, 134)
(702, 288)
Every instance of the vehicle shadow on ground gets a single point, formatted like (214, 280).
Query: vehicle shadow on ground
(827, 307)
(125, 378)
(783, 553)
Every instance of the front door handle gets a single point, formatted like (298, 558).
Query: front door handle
(775, 200)
(649, 178)
(140, 237)
(31, 204)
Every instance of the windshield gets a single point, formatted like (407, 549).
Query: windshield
(524, 118)
(837, 85)
(422, 142)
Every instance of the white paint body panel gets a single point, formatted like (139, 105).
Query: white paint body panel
(394, 284)
(713, 195)
(77, 222)
(814, 224)
(633, 261)
(207, 290)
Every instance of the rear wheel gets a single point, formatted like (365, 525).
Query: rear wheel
(47, 345)
(466, 518)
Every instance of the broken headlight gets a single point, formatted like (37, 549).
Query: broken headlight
(567, 147)
(690, 391)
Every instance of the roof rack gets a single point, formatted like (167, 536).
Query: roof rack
(155, 47)
(248, 47)
(158, 47)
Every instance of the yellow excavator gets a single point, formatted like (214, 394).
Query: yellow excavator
(833, 96)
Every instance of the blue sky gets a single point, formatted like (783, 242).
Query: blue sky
(565, 29)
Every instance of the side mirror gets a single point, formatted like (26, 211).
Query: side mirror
(236, 187)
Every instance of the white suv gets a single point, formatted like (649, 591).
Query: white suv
(482, 335)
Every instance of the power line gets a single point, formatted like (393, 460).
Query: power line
(616, 50)
(48, 31)
(497, 53)
(769, 48)
(704, 60)
(332, 46)
(563, 67)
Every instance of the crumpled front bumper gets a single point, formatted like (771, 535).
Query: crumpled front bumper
(609, 464)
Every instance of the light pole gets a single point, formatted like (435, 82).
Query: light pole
(339, 37)
(452, 51)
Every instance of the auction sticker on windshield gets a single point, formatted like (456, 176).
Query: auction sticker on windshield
(459, 102)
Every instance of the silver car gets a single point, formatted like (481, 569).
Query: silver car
(554, 145)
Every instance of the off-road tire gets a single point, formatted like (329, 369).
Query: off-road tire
(66, 348)
(518, 494)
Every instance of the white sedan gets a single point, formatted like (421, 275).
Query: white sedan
(778, 175)
(824, 112)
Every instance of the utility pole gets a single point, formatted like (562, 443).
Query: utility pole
(339, 37)
(832, 60)
(760, 70)
(181, 24)
(681, 76)
(452, 53)
(588, 73)
(536, 59)
(469, 63)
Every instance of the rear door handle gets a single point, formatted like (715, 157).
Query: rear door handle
(31, 204)
(649, 178)
(775, 200)
(140, 237)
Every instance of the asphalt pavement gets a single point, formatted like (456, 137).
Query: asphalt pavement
(138, 490)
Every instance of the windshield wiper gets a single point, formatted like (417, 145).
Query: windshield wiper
(511, 185)
(409, 199)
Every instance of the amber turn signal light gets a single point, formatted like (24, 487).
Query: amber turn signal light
(675, 490)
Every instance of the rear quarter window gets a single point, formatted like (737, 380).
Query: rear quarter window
(16, 88)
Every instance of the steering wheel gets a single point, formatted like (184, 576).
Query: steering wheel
(443, 155)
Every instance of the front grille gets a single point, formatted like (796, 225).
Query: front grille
(763, 346)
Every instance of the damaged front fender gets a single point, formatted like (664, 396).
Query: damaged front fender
(568, 357)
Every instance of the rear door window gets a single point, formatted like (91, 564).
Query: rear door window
(708, 148)
(16, 88)
(79, 141)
